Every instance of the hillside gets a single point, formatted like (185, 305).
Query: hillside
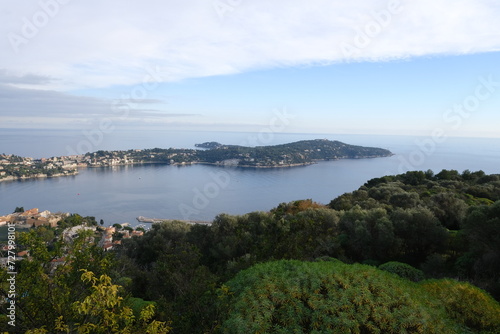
(297, 153)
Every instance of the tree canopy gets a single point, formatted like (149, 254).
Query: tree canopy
(332, 297)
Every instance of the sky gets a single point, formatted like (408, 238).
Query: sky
(318, 66)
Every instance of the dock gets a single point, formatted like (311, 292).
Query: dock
(161, 220)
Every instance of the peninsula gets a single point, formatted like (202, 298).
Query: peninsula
(276, 156)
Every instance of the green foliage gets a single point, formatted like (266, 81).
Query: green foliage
(420, 232)
(326, 297)
(481, 228)
(166, 268)
(74, 220)
(367, 234)
(49, 282)
(103, 311)
(295, 207)
(448, 175)
(137, 304)
(466, 304)
(449, 209)
(403, 270)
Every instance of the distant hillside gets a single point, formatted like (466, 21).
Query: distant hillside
(297, 153)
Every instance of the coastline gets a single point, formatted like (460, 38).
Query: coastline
(218, 164)
(36, 176)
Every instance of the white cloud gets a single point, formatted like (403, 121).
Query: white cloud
(91, 43)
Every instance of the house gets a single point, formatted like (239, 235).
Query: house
(41, 221)
(4, 220)
(137, 233)
(45, 214)
(71, 233)
(110, 230)
(33, 211)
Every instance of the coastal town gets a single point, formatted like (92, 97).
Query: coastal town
(66, 225)
(300, 153)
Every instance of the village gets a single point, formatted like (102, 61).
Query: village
(22, 220)
(18, 168)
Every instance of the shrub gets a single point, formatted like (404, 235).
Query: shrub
(466, 304)
(326, 297)
(403, 270)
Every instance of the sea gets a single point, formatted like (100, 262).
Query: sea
(201, 192)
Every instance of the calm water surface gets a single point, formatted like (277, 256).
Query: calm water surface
(200, 192)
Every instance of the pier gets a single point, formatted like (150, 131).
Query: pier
(158, 220)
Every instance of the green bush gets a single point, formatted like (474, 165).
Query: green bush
(327, 297)
(403, 270)
(466, 304)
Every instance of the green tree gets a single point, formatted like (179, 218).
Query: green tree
(449, 209)
(49, 281)
(167, 269)
(481, 227)
(368, 235)
(104, 311)
(420, 233)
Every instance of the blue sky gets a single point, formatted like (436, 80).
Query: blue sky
(395, 97)
(365, 67)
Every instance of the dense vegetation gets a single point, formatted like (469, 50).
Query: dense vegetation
(332, 297)
(434, 238)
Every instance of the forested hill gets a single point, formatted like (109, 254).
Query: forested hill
(297, 153)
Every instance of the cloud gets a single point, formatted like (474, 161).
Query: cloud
(51, 108)
(91, 44)
(23, 79)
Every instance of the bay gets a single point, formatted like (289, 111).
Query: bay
(200, 192)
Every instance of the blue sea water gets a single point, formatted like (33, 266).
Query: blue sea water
(200, 192)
